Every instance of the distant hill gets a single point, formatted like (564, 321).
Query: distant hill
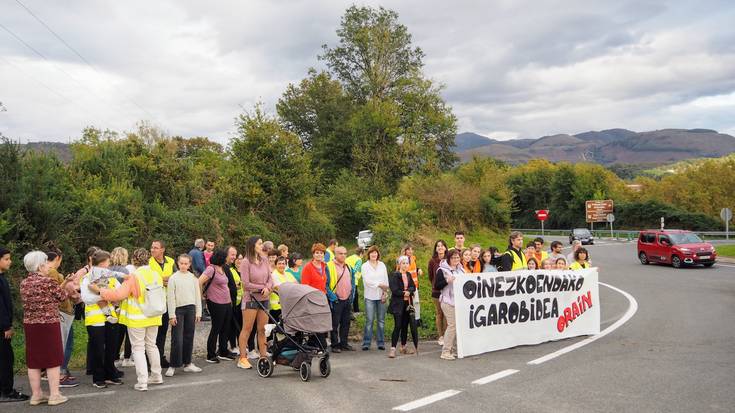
(61, 150)
(613, 146)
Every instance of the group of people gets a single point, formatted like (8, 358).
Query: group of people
(129, 301)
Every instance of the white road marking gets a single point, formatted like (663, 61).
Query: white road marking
(427, 400)
(632, 308)
(724, 265)
(493, 377)
(86, 395)
(173, 386)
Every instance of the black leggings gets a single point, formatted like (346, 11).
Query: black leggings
(402, 322)
(221, 319)
(103, 346)
(124, 342)
(236, 326)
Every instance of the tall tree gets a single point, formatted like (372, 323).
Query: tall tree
(401, 124)
(317, 110)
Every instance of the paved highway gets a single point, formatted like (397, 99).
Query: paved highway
(674, 354)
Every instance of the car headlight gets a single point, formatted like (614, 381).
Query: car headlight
(685, 250)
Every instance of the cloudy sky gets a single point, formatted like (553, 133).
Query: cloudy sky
(511, 68)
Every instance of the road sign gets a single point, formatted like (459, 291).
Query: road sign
(610, 218)
(726, 214)
(596, 211)
(542, 214)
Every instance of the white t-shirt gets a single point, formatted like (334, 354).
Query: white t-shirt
(372, 277)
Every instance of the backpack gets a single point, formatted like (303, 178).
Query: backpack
(154, 299)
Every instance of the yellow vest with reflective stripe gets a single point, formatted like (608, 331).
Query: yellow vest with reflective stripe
(352, 261)
(278, 280)
(93, 313)
(166, 271)
(519, 263)
(238, 283)
(131, 313)
(577, 266)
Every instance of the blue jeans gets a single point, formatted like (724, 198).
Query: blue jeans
(68, 348)
(371, 308)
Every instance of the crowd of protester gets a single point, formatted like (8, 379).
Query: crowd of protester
(116, 295)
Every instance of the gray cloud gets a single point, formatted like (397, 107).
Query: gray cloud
(511, 68)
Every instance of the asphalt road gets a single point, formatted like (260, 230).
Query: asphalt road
(675, 354)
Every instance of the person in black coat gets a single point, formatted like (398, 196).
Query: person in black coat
(402, 289)
(7, 392)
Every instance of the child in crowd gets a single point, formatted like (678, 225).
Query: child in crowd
(184, 298)
(561, 263)
(532, 264)
(100, 275)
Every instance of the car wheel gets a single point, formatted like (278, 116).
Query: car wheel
(643, 257)
(676, 261)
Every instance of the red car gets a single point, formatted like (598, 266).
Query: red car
(676, 247)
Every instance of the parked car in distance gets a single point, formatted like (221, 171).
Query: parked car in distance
(364, 239)
(675, 247)
(582, 234)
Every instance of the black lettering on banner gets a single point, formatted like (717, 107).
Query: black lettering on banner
(469, 289)
(523, 313)
(511, 286)
(487, 288)
(564, 283)
(498, 286)
(502, 313)
(519, 289)
(513, 312)
(531, 284)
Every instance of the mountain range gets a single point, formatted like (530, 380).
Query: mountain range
(612, 146)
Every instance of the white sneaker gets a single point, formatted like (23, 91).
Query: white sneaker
(170, 372)
(128, 363)
(447, 357)
(253, 354)
(155, 380)
(141, 387)
(235, 350)
(440, 341)
(191, 368)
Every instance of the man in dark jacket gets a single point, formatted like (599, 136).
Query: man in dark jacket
(7, 359)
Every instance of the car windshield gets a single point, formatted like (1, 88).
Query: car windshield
(581, 232)
(685, 238)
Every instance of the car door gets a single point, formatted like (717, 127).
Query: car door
(663, 248)
(648, 245)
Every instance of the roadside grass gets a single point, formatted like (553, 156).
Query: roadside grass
(726, 250)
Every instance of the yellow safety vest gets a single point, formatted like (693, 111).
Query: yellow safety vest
(577, 266)
(281, 278)
(93, 313)
(544, 255)
(238, 284)
(131, 313)
(166, 271)
(328, 256)
(352, 262)
(519, 263)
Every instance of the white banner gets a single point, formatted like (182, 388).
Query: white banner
(499, 310)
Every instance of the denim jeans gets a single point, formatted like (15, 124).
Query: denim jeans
(373, 308)
(68, 349)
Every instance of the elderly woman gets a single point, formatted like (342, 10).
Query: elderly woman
(402, 289)
(41, 297)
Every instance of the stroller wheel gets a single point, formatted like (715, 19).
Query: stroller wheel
(265, 367)
(324, 367)
(305, 371)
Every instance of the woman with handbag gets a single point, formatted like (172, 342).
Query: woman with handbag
(375, 279)
(214, 285)
(402, 289)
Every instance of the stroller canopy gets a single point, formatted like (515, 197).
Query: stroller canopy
(304, 308)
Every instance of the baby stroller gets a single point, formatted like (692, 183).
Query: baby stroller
(304, 313)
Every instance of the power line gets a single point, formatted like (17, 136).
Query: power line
(23, 42)
(79, 55)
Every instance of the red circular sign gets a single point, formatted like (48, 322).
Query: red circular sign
(542, 214)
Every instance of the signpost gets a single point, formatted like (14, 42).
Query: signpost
(726, 215)
(596, 211)
(611, 219)
(541, 215)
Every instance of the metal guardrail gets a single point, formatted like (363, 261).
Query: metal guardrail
(618, 234)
